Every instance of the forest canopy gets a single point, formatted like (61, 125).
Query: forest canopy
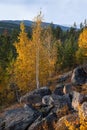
(29, 59)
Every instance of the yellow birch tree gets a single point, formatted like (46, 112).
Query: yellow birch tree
(24, 68)
(35, 60)
(51, 52)
(83, 41)
(44, 51)
(81, 54)
(36, 40)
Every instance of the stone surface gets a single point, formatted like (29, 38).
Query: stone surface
(59, 90)
(30, 98)
(67, 89)
(29, 108)
(47, 100)
(44, 124)
(19, 119)
(46, 110)
(64, 77)
(35, 96)
(79, 75)
(77, 99)
(60, 102)
(71, 118)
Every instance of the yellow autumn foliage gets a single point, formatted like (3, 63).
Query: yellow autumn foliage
(43, 48)
(77, 125)
(50, 49)
(35, 59)
(83, 120)
(24, 65)
(82, 42)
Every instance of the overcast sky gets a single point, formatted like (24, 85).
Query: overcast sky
(63, 12)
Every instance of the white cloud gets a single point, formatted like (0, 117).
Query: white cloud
(58, 11)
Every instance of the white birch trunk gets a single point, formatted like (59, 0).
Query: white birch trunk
(49, 53)
(37, 66)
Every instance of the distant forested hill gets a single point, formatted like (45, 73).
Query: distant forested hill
(10, 25)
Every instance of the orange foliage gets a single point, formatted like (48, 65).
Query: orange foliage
(83, 41)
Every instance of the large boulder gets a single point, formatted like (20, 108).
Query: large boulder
(61, 101)
(2, 123)
(35, 96)
(46, 123)
(57, 101)
(71, 118)
(79, 75)
(31, 98)
(19, 119)
(42, 91)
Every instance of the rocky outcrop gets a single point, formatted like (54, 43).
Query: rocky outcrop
(58, 102)
(46, 123)
(19, 119)
(53, 107)
(71, 118)
(35, 96)
(44, 109)
(79, 75)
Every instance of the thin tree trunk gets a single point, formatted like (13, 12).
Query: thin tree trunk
(49, 54)
(37, 66)
(17, 95)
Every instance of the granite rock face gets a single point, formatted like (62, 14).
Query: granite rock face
(46, 123)
(79, 75)
(59, 90)
(35, 96)
(43, 109)
(19, 119)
